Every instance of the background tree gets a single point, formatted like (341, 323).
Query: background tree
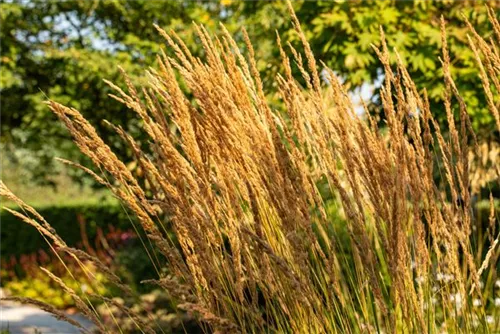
(64, 50)
(341, 33)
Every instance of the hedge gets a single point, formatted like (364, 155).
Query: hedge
(18, 238)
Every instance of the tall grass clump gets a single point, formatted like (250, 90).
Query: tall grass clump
(248, 192)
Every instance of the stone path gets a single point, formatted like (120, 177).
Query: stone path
(23, 319)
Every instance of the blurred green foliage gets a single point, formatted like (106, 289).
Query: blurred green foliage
(63, 50)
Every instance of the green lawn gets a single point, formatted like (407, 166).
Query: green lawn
(66, 191)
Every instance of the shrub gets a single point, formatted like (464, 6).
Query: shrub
(154, 307)
(97, 228)
(241, 186)
(41, 287)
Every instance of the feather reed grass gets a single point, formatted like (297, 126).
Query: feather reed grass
(247, 190)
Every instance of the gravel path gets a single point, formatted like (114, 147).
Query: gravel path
(23, 319)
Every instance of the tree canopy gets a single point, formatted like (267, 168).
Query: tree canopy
(64, 50)
(341, 34)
